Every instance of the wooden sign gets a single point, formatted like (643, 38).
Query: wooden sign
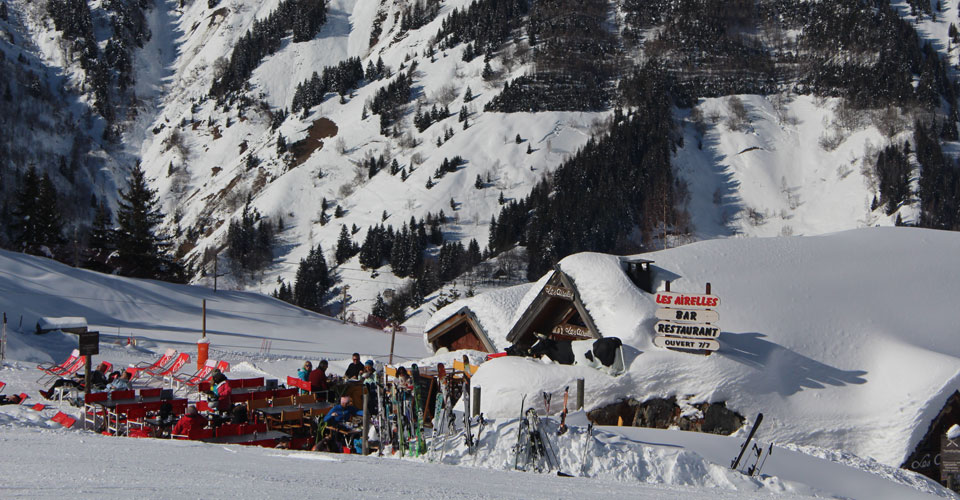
(688, 300)
(687, 330)
(686, 344)
(559, 292)
(688, 315)
(949, 457)
(89, 343)
(571, 330)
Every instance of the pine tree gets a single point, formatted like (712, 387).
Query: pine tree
(141, 250)
(380, 308)
(37, 218)
(478, 183)
(344, 246)
(312, 281)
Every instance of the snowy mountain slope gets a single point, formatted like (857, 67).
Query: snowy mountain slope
(791, 170)
(154, 312)
(840, 340)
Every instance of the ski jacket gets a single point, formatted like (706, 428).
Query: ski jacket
(119, 385)
(304, 375)
(222, 390)
(340, 414)
(188, 423)
(318, 380)
(354, 370)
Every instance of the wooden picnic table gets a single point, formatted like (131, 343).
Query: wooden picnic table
(275, 411)
(248, 438)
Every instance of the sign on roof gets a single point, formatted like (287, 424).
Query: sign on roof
(686, 344)
(559, 292)
(688, 315)
(687, 330)
(688, 300)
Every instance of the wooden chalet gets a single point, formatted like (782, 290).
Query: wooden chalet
(926, 457)
(557, 311)
(462, 330)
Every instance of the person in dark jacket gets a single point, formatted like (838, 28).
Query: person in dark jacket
(189, 421)
(98, 381)
(355, 368)
(318, 377)
(10, 400)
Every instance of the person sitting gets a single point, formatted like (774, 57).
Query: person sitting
(355, 368)
(304, 373)
(404, 381)
(220, 391)
(121, 383)
(98, 381)
(369, 375)
(318, 377)
(191, 420)
(339, 416)
(13, 399)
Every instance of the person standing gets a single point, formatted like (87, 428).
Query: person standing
(318, 377)
(304, 373)
(355, 368)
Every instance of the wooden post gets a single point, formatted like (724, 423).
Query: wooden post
(343, 304)
(86, 377)
(708, 288)
(204, 332)
(476, 401)
(364, 445)
(666, 286)
(580, 391)
(3, 338)
(215, 259)
(393, 339)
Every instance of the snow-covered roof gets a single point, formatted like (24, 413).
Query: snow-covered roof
(52, 323)
(839, 340)
(493, 311)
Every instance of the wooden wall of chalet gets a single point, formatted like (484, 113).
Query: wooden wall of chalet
(925, 458)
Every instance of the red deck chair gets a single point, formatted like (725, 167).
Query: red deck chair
(157, 365)
(55, 368)
(2, 385)
(193, 381)
(64, 419)
(58, 372)
(223, 366)
(162, 373)
(170, 373)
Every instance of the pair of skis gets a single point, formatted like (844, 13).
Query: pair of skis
(757, 451)
(533, 447)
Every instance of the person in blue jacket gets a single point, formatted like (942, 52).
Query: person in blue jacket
(341, 414)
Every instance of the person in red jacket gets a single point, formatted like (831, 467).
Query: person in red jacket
(318, 377)
(191, 420)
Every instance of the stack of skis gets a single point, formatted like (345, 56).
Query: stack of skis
(402, 413)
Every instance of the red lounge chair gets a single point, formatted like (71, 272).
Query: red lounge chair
(2, 385)
(64, 419)
(62, 371)
(51, 367)
(157, 365)
(168, 372)
(194, 380)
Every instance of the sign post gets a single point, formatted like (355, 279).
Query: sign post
(949, 461)
(203, 345)
(88, 344)
(688, 321)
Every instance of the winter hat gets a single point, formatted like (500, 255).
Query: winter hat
(369, 362)
(344, 400)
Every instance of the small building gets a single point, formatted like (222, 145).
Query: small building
(926, 457)
(557, 311)
(75, 325)
(462, 330)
